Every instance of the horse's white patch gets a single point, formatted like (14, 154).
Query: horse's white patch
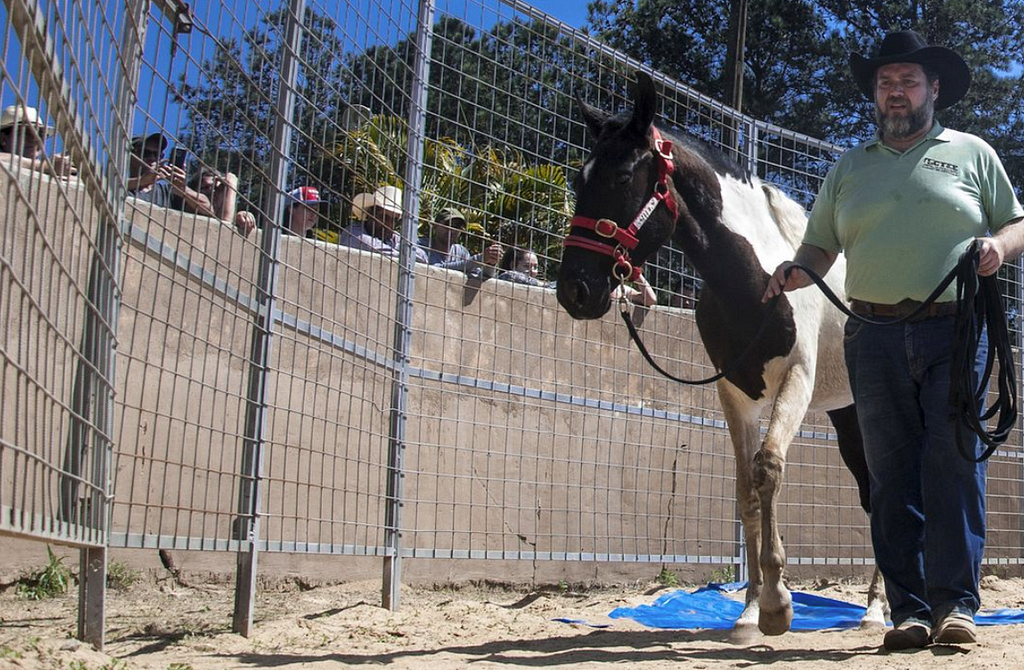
(773, 230)
(746, 212)
(585, 173)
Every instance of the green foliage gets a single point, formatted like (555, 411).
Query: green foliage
(53, 580)
(9, 653)
(724, 575)
(668, 578)
(503, 195)
(121, 577)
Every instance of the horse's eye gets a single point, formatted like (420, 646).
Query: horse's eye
(624, 178)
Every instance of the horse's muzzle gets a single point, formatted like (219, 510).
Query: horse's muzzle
(582, 300)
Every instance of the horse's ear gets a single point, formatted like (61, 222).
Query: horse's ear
(645, 102)
(594, 117)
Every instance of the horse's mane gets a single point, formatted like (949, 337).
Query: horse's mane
(788, 215)
(717, 159)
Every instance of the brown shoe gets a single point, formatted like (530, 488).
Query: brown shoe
(956, 628)
(907, 635)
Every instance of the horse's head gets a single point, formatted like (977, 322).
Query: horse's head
(625, 204)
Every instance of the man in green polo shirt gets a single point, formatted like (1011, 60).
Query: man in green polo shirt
(903, 206)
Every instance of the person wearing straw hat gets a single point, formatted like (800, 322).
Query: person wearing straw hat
(377, 216)
(443, 249)
(903, 206)
(22, 138)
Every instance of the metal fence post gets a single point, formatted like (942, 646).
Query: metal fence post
(1018, 338)
(404, 308)
(101, 329)
(247, 526)
(90, 437)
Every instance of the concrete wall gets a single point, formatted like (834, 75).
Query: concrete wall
(489, 470)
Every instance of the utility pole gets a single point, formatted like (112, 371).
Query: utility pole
(733, 74)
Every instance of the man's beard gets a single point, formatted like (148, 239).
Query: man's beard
(905, 125)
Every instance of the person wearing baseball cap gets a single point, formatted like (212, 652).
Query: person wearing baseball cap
(377, 217)
(903, 207)
(154, 180)
(22, 138)
(302, 213)
(442, 248)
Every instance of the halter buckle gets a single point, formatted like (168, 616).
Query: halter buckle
(664, 148)
(606, 228)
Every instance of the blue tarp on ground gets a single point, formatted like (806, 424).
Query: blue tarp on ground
(709, 607)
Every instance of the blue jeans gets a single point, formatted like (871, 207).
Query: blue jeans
(927, 501)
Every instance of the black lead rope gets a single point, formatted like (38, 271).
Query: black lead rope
(979, 305)
(624, 310)
(986, 309)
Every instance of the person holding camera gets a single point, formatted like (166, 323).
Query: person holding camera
(161, 182)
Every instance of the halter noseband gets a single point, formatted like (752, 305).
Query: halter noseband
(617, 242)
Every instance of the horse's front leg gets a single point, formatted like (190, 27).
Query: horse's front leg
(776, 611)
(878, 604)
(742, 416)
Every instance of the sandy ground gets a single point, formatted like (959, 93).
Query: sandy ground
(168, 626)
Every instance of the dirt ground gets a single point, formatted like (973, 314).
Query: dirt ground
(168, 626)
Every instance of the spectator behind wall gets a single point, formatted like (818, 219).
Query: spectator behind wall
(222, 191)
(22, 139)
(154, 180)
(443, 249)
(302, 213)
(640, 293)
(377, 215)
(520, 266)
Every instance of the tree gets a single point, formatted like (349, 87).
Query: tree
(504, 196)
(986, 35)
(231, 110)
(797, 73)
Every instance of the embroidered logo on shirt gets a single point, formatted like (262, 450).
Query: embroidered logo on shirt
(939, 166)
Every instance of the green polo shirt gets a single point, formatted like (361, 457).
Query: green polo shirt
(903, 219)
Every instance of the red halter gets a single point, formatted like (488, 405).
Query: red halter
(618, 242)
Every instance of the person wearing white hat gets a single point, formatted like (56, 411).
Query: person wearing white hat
(22, 138)
(903, 206)
(377, 215)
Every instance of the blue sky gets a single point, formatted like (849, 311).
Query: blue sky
(573, 12)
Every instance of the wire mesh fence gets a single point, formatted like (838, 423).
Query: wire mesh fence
(305, 361)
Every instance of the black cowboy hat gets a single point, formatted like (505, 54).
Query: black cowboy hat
(906, 46)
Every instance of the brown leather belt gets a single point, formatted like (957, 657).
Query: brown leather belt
(902, 309)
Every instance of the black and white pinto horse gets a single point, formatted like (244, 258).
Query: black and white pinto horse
(640, 187)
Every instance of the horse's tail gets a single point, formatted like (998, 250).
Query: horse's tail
(789, 216)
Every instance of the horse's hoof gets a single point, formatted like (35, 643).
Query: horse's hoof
(874, 617)
(871, 624)
(744, 634)
(775, 623)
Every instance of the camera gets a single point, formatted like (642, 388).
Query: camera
(178, 156)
